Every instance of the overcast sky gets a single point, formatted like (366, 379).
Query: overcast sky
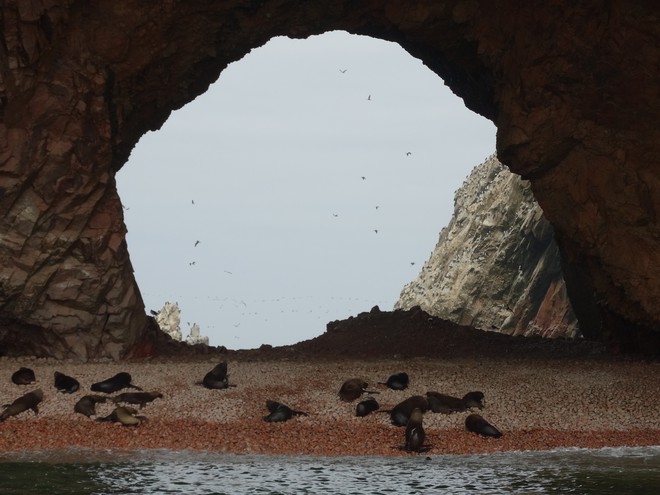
(316, 175)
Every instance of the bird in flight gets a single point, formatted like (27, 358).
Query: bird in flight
(335, 215)
(193, 201)
(192, 263)
(369, 97)
(343, 71)
(376, 231)
(196, 242)
(364, 178)
(408, 153)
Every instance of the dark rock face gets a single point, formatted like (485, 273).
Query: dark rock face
(573, 90)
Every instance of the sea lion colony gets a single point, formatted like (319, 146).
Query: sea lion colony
(408, 413)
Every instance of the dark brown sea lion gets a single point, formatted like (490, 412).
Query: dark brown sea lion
(140, 398)
(66, 384)
(366, 407)
(23, 376)
(477, 424)
(398, 381)
(217, 378)
(30, 400)
(353, 388)
(280, 412)
(415, 434)
(447, 404)
(474, 399)
(400, 414)
(117, 382)
(124, 415)
(87, 404)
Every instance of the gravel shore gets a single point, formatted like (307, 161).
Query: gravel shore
(537, 404)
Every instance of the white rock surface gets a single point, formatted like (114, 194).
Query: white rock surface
(169, 320)
(496, 265)
(194, 337)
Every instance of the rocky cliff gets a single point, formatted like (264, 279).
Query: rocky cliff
(571, 86)
(496, 265)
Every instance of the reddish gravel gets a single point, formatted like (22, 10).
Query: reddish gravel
(541, 394)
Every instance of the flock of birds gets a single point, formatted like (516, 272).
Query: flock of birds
(408, 413)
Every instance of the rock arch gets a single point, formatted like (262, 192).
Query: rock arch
(573, 90)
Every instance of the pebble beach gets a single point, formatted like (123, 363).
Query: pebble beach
(538, 404)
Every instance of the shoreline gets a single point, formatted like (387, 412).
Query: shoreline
(538, 404)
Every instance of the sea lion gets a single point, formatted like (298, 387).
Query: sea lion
(400, 413)
(447, 404)
(280, 412)
(353, 388)
(65, 384)
(140, 398)
(217, 378)
(30, 400)
(124, 415)
(23, 376)
(415, 434)
(398, 381)
(87, 404)
(366, 407)
(474, 399)
(117, 382)
(477, 424)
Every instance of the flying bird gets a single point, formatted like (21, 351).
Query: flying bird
(335, 215)
(408, 153)
(193, 201)
(369, 97)
(196, 242)
(192, 263)
(364, 178)
(343, 71)
(376, 231)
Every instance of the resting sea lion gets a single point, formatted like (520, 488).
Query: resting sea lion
(400, 413)
(23, 376)
(217, 378)
(398, 381)
(65, 384)
(353, 388)
(366, 406)
(117, 382)
(447, 404)
(280, 412)
(474, 399)
(87, 404)
(140, 398)
(415, 434)
(124, 415)
(476, 424)
(30, 400)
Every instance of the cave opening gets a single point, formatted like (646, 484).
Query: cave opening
(308, 184)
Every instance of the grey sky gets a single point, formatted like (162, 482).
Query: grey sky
(273, 156)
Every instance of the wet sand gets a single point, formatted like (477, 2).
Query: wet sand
(538, 404)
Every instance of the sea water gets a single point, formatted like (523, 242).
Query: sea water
(576, 471)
